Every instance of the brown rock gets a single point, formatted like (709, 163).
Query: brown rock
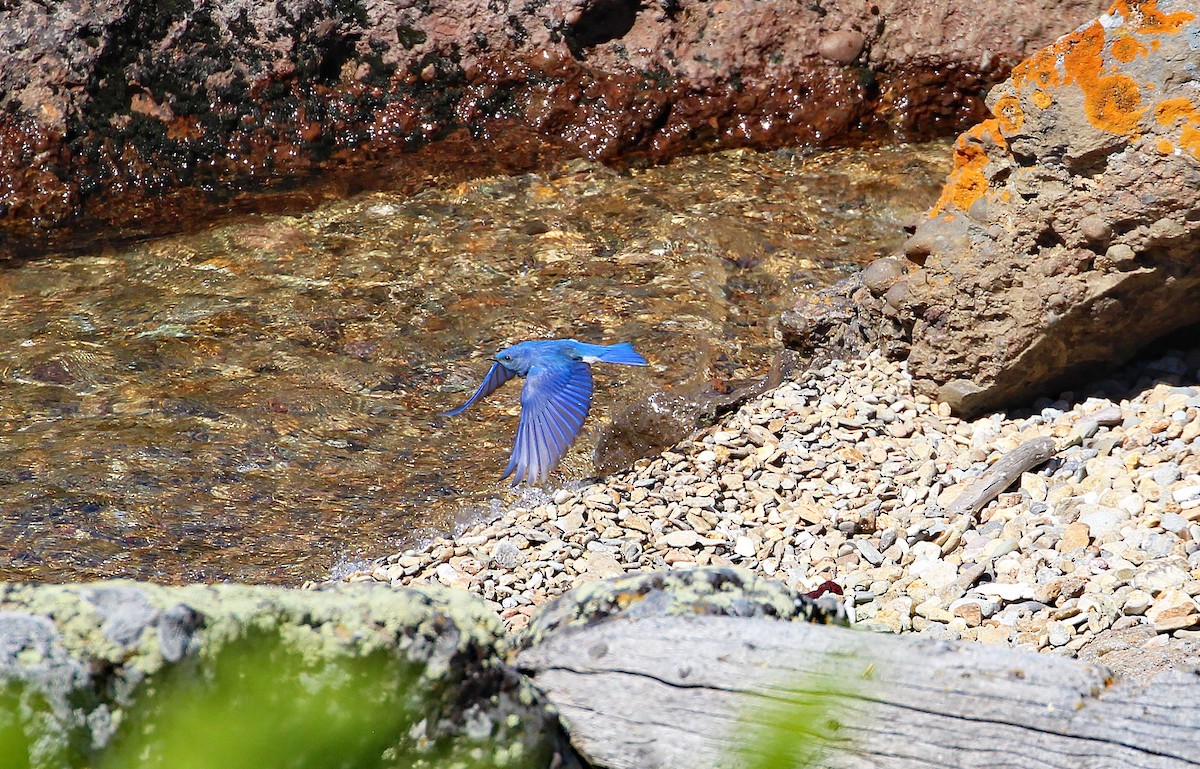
(842, 46)
(602, 566)
(1173, 610)
(1089, 246)
(879, 275)
(1076, 537)
(970, 612)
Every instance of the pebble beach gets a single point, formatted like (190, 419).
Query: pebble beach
(847, 474)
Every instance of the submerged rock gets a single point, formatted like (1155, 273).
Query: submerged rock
(387, 678)
(661, 420)
(1068, 234)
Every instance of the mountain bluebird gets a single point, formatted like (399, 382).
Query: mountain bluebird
(555, 400)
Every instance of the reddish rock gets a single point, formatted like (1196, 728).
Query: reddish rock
(105, 105)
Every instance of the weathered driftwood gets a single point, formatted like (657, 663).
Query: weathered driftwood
(679, 692)
(1006, 470)
(1001, 475)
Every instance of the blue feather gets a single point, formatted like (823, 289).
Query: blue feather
(555, 400)
(497, 375)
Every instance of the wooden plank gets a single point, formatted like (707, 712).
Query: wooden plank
(676, 692)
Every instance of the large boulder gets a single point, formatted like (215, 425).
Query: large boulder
(125, 673)
(1068, 234)
(118, 100)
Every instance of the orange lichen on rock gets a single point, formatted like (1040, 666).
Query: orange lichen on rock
(967, 182)
(1171, 111)
(1114, 104)
(1041, 69)
(1145, 18)
(1126, 49)
(1183, 113)
(1189, 139)
(1112, 100)
(1009, 114)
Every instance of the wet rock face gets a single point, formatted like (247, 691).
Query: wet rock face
(122, 99)
(108, 669)
(1068, 234)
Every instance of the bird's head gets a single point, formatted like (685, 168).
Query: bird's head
(517, 358)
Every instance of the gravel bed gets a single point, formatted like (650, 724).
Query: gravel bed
(846, 475)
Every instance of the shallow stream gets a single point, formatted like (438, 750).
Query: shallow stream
(260, 401)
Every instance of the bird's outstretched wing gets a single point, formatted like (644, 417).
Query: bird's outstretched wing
(496, 376)
(554, 403)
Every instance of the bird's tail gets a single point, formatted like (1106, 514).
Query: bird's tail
(621, 352)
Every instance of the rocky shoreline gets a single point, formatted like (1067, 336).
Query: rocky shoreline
(856, 472)
(846, 475)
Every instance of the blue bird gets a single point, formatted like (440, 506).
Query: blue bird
(555, 400)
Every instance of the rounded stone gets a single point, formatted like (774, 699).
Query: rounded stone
(842, 46)
(1095, 228)
(879, 275)
(1120, 254)
(896, 294)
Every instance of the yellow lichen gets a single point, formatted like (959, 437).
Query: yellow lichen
(1040, 69)
(1009, 114)
(1181, 113)
(1113, 104)
(1041, 99)
(1189, 139)
(1171, 111)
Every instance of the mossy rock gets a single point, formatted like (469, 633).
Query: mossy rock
(718, 590)
(353, 676)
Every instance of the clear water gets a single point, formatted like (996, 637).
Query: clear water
(260, 401)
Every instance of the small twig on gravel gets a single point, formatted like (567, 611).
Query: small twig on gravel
(999, 477)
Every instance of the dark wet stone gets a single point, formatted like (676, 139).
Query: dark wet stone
(662, 419)
(53, 371)
(842, 320)
(108, 105)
